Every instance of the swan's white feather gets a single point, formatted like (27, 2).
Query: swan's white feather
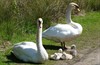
(29, 51)
(61, 32)
(64, 32)
(26, 51)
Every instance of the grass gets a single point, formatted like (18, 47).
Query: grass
(21, 15)
(26, 12)
(17, 23)
(88, 40)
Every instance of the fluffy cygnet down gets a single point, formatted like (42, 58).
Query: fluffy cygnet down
(60, 55)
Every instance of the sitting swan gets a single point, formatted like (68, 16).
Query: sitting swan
(31, 52)
(64, 32)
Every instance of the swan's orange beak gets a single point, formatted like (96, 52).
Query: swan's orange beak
(78, 9)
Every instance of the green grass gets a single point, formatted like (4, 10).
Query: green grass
(88, 40)
(18, 18)
(26, 12)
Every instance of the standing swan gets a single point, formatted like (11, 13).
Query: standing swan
(64, 32)
(31, 52)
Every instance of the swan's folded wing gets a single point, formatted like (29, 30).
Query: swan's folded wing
(25, 50)
(58, 31)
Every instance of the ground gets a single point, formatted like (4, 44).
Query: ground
(88, 45)
(85, 57)
(92, 57)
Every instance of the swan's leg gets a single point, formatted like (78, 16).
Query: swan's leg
(63, 45)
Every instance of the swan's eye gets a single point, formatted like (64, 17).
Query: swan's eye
(76, 6)
(39, 21)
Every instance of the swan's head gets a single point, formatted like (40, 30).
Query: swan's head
(40, 22)
(74, 6)
(73, 46)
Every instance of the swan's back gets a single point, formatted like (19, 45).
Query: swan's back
(25, 51)
(31, 52)
(60, 32)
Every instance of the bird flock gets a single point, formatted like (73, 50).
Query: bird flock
(63, 55)
(36, 53)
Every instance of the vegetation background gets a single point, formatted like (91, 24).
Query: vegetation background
(21, 15)
(18, 22)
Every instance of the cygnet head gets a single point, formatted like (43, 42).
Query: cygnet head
(60, 50)
(74, 6)
(40, 22)
(73, 46)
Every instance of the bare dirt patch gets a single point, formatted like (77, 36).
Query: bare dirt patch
(91, 59)
(5, 45)
(85, 57)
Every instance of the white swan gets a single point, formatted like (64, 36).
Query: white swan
(31, 52)
(64, 32)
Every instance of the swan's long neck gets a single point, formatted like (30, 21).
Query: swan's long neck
(39, 38)
(41, 52)
(76, 26)
(68, 14)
